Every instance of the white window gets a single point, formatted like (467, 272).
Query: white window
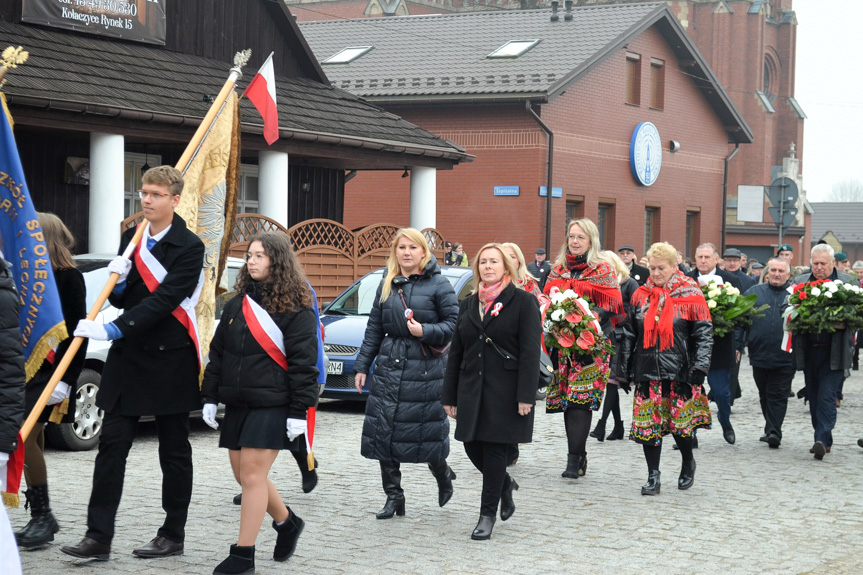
(513, 49)
(347, 55)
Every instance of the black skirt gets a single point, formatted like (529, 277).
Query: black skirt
(257, 427)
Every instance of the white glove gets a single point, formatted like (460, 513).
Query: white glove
(122, 266)
(296, 428)
(208, 414)
(4, 457)
(92, 330)
(60, 393)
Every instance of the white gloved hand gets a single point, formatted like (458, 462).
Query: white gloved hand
(208, 414)
(4, 458)
(60, 393)
(296, 428)
(122, 266)
(92, 330)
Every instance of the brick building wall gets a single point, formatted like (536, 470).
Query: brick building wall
(593, 126)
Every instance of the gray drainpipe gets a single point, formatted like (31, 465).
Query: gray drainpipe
(548, 131)
(725, 197)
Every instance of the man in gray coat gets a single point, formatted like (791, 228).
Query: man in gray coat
(773, 370)
(823, 357)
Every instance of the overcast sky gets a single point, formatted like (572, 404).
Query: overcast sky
(829, 88)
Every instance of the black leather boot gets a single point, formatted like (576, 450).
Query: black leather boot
(289, 532)
(617, 432)
(391, 478)
(599, 431)
(444, 475)
(241, 560)
(42, 526)
(483, 528)
(652, 486)
(571, 471)
(507, 505)
(582, 464)
(687, 475)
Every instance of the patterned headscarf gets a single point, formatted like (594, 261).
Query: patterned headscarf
(686, 302)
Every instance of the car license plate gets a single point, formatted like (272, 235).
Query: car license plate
(335, 367)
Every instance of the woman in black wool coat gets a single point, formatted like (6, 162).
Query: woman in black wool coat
(70, 285)
(415, 309)
(491, 391)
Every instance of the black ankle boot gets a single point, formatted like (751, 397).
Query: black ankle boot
(42, 526)
(687, 475)
(483, 528)
(392, 507)
(444, 475)
(571, 471)
(289, 532)
(617, 432)
(599, 431)
(582, 464)
(507, 505)
(241, 560)
(652, 486)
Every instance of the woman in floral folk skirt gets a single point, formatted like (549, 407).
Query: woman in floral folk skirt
(667, 354)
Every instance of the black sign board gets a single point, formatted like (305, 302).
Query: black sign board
(137, 20)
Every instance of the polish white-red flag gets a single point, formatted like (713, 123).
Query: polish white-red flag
(262, 93)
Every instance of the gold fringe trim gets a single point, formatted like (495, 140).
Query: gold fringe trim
(6, 110)
(11, 499)
(43, 347)
(59, 411)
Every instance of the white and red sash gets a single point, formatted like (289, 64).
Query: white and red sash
(153, 273)
(265, 331)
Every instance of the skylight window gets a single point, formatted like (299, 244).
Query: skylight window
(347, 55)
(513, 49)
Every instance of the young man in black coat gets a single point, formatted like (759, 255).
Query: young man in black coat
(152, 369)
(725, 349)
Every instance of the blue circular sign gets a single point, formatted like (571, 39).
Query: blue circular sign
(645, 153)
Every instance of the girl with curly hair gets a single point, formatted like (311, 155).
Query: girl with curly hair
(263, 368)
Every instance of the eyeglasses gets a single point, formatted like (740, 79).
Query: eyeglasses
(153, 195)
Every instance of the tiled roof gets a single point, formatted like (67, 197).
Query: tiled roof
(446, 54)
(842, 218)
(68, 71)
(442, 58)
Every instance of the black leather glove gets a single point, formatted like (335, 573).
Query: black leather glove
(625, 386)
(696, 377)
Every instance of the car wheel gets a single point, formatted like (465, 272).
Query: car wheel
(82, 434)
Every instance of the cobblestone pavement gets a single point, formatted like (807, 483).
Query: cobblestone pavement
(752, 509)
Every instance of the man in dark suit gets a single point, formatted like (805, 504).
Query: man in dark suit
(726, 352)
(636, 272)
(539, 268)
(152, 368)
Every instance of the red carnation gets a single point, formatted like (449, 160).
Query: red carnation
(802, 295)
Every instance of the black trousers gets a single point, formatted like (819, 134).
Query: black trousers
(490, 459)
(175, 459)
(774, 387)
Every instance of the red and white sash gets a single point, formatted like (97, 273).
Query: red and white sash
(265, 331)
(153, 273)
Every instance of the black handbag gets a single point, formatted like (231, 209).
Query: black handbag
(546, 369)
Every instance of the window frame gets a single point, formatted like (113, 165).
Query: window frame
(632, 96)
(657, 84)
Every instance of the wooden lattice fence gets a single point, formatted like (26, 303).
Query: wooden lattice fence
(333, 255)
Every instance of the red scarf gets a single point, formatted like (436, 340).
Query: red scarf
(487, 294)
(687, 302)
(597, 282)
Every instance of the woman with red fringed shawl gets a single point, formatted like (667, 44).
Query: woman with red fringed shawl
(578, 387)
(666, 354)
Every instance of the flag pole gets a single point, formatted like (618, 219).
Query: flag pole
(240, 60)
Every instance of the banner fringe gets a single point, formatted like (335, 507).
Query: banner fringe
(43, 347)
